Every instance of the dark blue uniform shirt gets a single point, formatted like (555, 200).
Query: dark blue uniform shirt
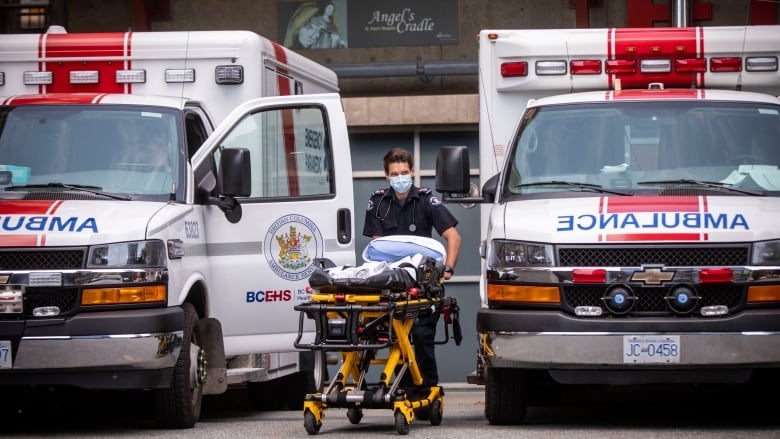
(418, 214)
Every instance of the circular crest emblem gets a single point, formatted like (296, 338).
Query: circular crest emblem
(291, 245)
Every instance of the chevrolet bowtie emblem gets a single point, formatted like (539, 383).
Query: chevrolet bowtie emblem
(652, 276)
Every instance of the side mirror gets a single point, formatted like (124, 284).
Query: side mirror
(235, 180)
(235, 173)
(452, 170)
(452, 176)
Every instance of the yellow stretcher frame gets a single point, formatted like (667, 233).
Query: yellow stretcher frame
(372, 323)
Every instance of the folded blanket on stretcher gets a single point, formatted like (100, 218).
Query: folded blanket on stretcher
(394, 263)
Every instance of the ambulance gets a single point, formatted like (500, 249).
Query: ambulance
(164, 197)
(630, 191)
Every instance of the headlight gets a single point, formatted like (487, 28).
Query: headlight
(519, 254)
(127, 254)
(766, 253)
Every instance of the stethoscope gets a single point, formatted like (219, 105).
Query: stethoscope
(412, 226)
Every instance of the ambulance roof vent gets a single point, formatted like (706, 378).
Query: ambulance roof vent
(56, 29)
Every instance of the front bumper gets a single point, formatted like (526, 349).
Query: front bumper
(113, 349)
(553, 340)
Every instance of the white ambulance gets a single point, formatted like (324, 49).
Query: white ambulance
(631, 196)
(163, 199)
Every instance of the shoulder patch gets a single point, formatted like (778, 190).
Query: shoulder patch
(370, 204)
(434, 201)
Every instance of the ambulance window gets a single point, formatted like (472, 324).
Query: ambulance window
(196, 133)
(290, 152)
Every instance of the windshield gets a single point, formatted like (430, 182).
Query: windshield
(117, 150)
(647, 146)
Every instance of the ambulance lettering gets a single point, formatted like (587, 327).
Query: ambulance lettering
(48, 224)
(268, 296)
(657, 220)
(665, 218)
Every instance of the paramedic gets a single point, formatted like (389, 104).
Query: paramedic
(403, 209)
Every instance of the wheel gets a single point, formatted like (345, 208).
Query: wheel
(354, 414)
(179, 405)
(436, 412)
(401, 426)
(505, 402)
(310, 424)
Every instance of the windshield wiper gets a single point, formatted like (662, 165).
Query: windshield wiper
(584, 186)
(76, 187)
(708, 184)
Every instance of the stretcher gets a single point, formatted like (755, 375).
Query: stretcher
(369, 321)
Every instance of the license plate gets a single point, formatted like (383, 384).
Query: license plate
(647, 349)
(5, 354)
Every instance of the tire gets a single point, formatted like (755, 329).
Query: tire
(355, 415)
(179, 405)
(310, 424)
(505, 399)
(401, 426)
(436, 412)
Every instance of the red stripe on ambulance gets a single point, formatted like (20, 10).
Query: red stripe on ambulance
(91, 50)
(653, 204)
(19, 207)
(656, 43)
(287, 123)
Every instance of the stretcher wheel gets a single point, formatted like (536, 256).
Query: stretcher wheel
(310, 423)
(401, 424)
(355, 414)
(436, 412)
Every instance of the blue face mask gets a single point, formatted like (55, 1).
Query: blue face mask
(401, 183)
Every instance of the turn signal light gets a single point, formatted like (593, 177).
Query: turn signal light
(523, 293)
(114, 296)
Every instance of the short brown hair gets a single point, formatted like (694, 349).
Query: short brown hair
(398, 155)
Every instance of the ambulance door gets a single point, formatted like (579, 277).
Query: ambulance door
(300, 209)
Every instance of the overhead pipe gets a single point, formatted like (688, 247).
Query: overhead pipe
(387, 70)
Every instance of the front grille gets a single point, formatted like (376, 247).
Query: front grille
(41, 259)
(63, 298)
(651, 302)
(669, 256)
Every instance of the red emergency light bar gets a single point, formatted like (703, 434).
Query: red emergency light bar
(675, 57)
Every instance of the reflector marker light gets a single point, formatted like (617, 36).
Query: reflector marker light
(615, 66)
(84, 77)
(510, 69)
(586, 67)
(131, 76)
(180, 75)
(716, 275)
(2, 78)
(725, 65)
(692, 65)
(589, 275)
(38, 78)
